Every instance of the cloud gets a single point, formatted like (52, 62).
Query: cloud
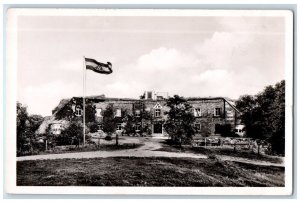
(48, 95)
(223, 49)
(165, 59)
(210, 76)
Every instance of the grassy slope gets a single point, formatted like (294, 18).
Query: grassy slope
(211, 151)
(90, 148)
(133, 171)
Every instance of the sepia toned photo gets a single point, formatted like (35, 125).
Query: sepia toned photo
(149, 102)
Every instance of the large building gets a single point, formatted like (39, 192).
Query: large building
(148, 112)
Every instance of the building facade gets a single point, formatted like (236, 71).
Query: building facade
(149, 113)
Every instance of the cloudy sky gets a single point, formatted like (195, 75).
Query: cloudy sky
(189, 56)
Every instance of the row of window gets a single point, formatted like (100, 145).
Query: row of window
(137, 127)
(198, 113)
(137, 113)
(157, 112)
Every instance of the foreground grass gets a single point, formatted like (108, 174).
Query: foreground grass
(134, 171)
(212, 151)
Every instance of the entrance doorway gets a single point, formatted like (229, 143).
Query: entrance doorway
(157, 128)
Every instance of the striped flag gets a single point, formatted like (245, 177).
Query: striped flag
(103, 68)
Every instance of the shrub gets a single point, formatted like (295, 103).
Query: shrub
(225, 130)
(71, 135)
(108, 138)
(94, 128)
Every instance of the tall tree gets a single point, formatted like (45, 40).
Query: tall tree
(264, 115)
(23, 134)
(277, 118)
(35, 121)
(179, 123)
(109, 123)
(90, 113)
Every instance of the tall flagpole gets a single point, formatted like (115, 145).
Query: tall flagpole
(84, 84)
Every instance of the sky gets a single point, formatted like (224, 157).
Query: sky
(189, 56)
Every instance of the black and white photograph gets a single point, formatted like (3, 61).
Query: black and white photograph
(150, 101)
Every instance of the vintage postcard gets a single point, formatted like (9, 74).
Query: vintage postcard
(162, 102)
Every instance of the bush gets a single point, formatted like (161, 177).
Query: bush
(225, 130)
(94, 128)
(108, 138)
(71, 135)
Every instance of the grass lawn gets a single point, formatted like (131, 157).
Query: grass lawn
(150, 171)
(211, 151)
(89, 148)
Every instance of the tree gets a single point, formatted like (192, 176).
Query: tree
(109, 123)
(128, 128)
(278, 119)
(146, 118)
(23, 134)
(264, 115)
(142, 96)
(35, 121)
(179, 123)
(65, 112)
(90, 112)
(73, 134)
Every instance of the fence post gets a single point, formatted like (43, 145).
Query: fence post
(205, 142)
(234, 147)
(46, 145)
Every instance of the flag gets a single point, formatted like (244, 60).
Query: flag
(103, 68)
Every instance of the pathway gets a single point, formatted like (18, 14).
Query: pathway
(147, 150)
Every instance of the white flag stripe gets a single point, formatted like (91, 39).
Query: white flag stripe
(89, 63)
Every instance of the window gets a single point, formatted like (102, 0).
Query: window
(157, 112)
(197, 127)
(98, 112)
(197, 112)
(118, 113)
(137, 113)
(78, 111)
(119, 126)
(217, 111)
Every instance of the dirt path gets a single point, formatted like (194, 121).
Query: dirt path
(147, 150)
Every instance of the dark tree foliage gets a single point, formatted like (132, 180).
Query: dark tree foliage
(94, 128)
(65, 113)
(73, 134)
(146, 122)
(142, 96)
(225, 130)
(23, 132)
(90, 113)
(129, 121)
(264, 115)
(109, 122)
(26, 127)
(179, 124)
(35, 121)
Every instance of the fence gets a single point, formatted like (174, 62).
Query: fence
(233, 142)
